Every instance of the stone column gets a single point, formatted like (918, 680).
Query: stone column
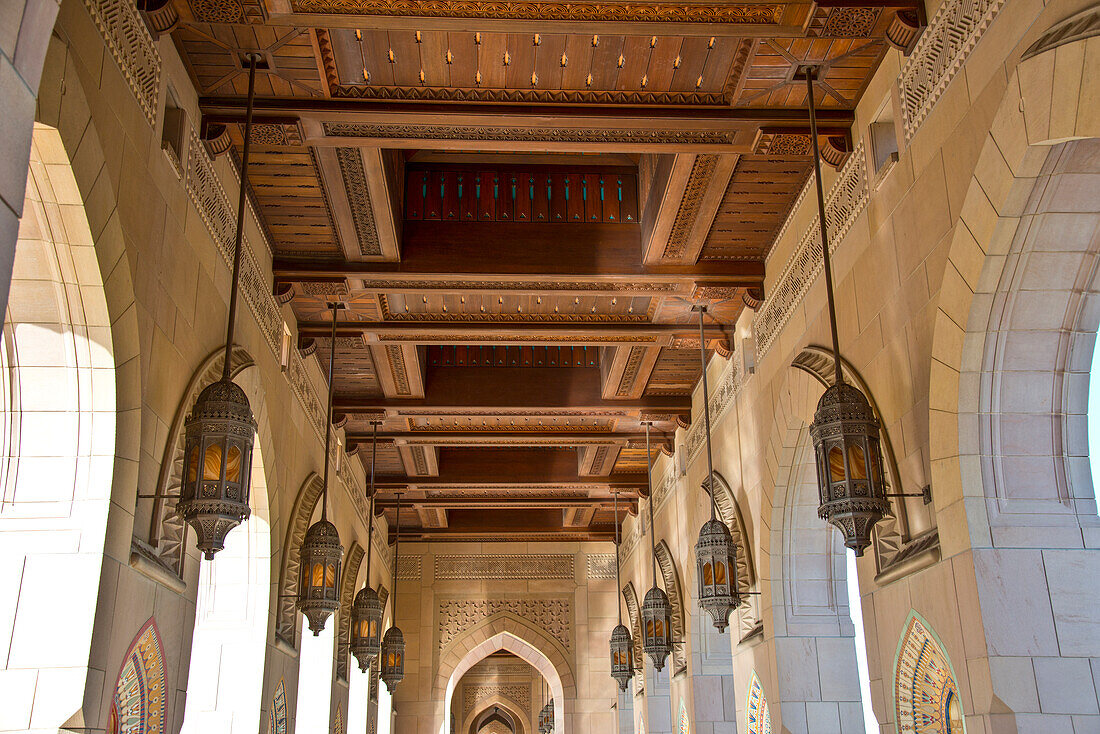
(712, 689)
(625, 710)
(658, 698)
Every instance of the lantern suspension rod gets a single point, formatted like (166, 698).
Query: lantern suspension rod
(618, 578)
(328, 412)
(649, 484)
(370, 512)
(811, 73)
(241, 202)
(702, 309)
(396, 548)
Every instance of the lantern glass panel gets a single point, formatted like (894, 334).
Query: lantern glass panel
(193, 465)
(719, 573)
(857, 464)
(836, 464)
(212, 463)
(233, 465)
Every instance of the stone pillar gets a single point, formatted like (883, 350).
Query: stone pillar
(21, 57)
(625, 710)
(658, 698)
(712, 689)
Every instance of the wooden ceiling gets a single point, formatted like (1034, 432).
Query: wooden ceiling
(516, 204)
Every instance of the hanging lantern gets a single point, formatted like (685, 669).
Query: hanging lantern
(318, 595)
(716, 559)
(366, 610)
(656, 621)
(546, 718)
(845, 431)
(321, 552)
(622, 656)
(218, 448)
(393, 644)
(366, 627)
(393, 658)
(220, 429)
(845, 435)
(715, 552)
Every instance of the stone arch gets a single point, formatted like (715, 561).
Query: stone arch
(506, 631)
(1006, 214)
(286, 617)
(671, 578)
(633, 613)
(729, 510)
(926, 692)
(348, 587)
(167, 538)
(478, 717)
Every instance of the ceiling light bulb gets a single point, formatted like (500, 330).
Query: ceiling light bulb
(366, 76)
(358, 34)
(595, 40)
(699, 82)
(421, 76)
(676, 62)
(588, 81)
(534, 79)
(564, 60)
(653, 42)
(645, 80)
(392, 58)
(711, 44)
(507, 58)
(450, 58)
(477, 78)
(418, 36)
(477, 38)
(622, 60)
(537, 40)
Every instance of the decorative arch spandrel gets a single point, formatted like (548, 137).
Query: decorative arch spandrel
(633, 614)
(676, 598)
(286, 614)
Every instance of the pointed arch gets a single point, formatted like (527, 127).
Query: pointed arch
(139, 705)
(758, 720)
(475, 720)
(729, 509)
(926, 692)
(343, 615)
(676, 598)
(286, 619)
(167, 530)
(683, 727)
(633, 614)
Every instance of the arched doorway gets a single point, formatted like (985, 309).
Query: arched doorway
(57, 442)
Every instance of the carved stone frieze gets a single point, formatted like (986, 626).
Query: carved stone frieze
(702, 170)
(408, 568)
(517, 693)
(845, 201)
(647, 12)
(553, 616)
(128, 39)
(601, 565)
(721, 399)
(938, 55)
(358, 195)
(507, 567)
(409, 131)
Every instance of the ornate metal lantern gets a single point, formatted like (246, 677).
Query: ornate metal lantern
(393, 658)
(321, 553)
(715, 551)
(546, 718)
(220, 429)
(393, 644)
(622, 646)
(716, 557)
(845, 431)
(218, 464)
(622, 656)
(656, 622)
(845, 435)
(366, 611)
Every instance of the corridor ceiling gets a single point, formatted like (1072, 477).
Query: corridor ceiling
(518, 201)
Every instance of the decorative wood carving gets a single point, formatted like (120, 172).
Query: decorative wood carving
(553, 616)
(358, 194)
(559, 96)
(940, 52)
(701, 172)
(905, 28)
(410, 131)
(783, 144)
(850, 22)
(648, 12)
(350, 578)
(845, 201)
(503, 567)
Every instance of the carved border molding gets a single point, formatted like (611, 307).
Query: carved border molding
(528, 285)
(343, 614)
(408, 131)
(132, 47)
(504, 567)
(644, 12)
(725, 391)
(358, 194)
(940, 52)
(634, 618)
(702, 170)
(845, 201)
(554, 616)
(286, 611)
(566, 96)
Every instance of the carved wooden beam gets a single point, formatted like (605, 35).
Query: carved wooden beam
(513, 438)
(400, 334)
